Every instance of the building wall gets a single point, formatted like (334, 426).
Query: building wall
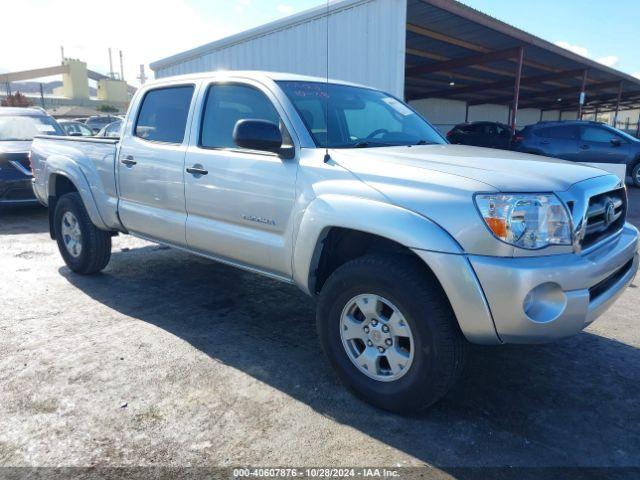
(489, 112)
(444, 113)
(366, 45)
(75, 83)
(112, 90)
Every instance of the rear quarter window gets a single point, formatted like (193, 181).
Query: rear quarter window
(163, 114)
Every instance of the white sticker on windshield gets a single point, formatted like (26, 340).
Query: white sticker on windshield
(44, 128)
(399, 107)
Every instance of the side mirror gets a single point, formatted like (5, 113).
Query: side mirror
(258, 135)
(616, 142)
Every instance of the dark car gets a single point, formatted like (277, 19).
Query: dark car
(582, 141)
(98, 122)
(18, 126)
(481, 134)
(75, 129)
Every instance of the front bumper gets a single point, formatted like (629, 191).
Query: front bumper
(17, 192)
(540, 299)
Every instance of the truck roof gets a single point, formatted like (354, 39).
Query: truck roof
(251, 74)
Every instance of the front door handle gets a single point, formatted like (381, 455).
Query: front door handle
(129, 161)
(195, 170)
(584, 147)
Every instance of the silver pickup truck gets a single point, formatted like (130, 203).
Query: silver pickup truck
(413, 247)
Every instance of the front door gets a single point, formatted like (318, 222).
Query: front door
(601, 145)
(151, 166)
(239, 202)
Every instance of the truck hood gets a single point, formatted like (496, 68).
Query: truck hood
(483, 168)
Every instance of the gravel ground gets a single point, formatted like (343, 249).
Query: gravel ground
(169, 359)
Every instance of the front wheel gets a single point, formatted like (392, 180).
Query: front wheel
(85, 248)
(635, 174)
(389, 332)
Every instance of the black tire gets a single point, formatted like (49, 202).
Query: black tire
(96, 243)
(635, 175)
(440, 348)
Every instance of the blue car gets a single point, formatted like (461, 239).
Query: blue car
(18, 126)
(581, 141)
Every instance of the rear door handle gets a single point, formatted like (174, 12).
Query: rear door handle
(197, 170)
(584, 147)
(129, 161)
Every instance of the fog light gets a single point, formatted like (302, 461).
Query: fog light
(545, 303)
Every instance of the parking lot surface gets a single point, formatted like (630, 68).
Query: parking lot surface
(169, 359)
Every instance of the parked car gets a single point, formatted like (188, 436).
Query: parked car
(481, 134)
(18, 126)
(98, 122)
(413, 246)
(75, 129)
(582, 141)
(112, 130)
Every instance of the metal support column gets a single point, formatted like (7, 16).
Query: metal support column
(516, 91)
(583, 94)
(615, 115)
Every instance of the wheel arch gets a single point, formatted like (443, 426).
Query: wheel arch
(343, 227)
(632, 164)
(65, 180)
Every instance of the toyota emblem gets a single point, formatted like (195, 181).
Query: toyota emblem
(609, 213)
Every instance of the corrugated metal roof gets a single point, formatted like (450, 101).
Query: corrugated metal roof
(452, 30)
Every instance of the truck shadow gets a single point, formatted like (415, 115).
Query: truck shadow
(575, 402)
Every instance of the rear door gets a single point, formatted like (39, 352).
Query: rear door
(151, 165)
(560, 141)
(240, 209)
(502, 137)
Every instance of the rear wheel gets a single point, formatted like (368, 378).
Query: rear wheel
(389, 332)
(85, 248)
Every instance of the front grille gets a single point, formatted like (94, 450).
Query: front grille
(606, 215)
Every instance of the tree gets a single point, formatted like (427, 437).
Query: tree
(107, 108)
(16, 100)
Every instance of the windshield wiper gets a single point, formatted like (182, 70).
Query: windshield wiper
(367, 144)
(425, 142)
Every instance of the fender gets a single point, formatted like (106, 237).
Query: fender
(379, 218)
(64, 166)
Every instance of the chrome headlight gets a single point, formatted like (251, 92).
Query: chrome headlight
(526, 220)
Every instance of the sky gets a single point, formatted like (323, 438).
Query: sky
(148, 30)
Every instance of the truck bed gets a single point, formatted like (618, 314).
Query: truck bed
(89, 163)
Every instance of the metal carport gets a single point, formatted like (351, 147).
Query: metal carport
(454, 51)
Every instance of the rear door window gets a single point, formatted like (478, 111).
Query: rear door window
(565, 132)
(163, 114)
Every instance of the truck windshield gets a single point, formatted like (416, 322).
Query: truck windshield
(357, 117)
(25, 127)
